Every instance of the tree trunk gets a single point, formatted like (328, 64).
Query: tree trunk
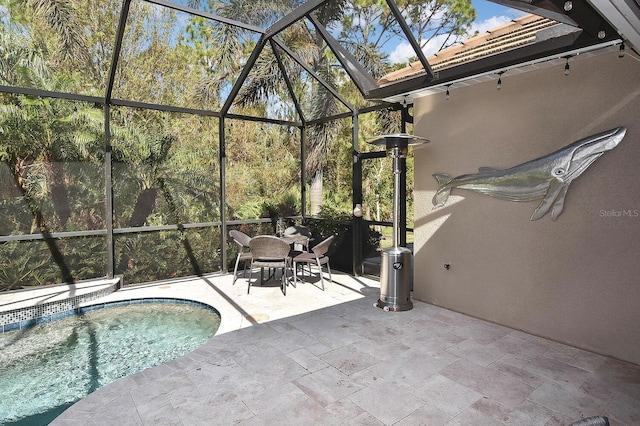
(26, 223)
(315, 193)
(56, 254)
(143, 207)
(59, 193)
(183, 235)
(141, 210)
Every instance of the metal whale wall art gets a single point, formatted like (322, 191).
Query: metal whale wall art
(546, 178)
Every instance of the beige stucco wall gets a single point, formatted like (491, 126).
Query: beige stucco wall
(576, 280)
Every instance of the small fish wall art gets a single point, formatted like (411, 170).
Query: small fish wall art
(546, 178)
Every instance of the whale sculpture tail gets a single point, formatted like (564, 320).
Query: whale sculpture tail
(442, 194)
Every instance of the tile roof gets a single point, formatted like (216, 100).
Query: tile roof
(517, 33)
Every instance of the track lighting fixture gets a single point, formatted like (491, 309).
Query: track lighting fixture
(566, 67)
(621, 52)
(447, 93)
(499, 86)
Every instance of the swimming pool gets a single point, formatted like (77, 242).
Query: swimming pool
(46, 368)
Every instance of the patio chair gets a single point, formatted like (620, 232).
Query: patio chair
(242, 241)
(318, 256)
(270, 252)
(303, 235)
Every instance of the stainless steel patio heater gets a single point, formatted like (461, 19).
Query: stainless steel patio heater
(395, 269)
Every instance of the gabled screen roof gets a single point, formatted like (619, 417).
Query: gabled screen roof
(278, 51)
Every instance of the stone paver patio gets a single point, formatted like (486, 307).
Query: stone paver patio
(331, 358)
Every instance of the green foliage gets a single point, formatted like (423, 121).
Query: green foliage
(169, 254)
(337, 222)
(29, 263)
(262, 167)
(289, 205)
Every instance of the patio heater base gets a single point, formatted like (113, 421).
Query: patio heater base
(395, 280)
(393, 308)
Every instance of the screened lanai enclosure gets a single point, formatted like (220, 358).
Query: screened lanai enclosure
(135, 134)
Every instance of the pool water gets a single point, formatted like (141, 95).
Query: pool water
(46, 368)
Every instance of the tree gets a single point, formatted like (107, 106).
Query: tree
(41, 137)
(47, 144)
(368, 25)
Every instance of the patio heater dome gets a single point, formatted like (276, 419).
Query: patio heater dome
(395, 270)
(401, 141)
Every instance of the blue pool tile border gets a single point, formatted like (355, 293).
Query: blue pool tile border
(44, 312)
(12, 327)
(59, 312)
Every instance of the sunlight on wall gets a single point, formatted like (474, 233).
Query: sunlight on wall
(431, 226)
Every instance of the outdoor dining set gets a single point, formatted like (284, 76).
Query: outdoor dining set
(288, 253)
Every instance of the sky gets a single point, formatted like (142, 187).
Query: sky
(489, 15)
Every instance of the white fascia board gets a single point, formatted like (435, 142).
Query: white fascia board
(624, 16)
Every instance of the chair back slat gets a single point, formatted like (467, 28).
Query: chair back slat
(321, 248)
(269, 247)
(240, 237)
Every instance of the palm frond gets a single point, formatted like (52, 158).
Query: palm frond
(62, 17)
(263, 82)
(208, 89)
(17, 55)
